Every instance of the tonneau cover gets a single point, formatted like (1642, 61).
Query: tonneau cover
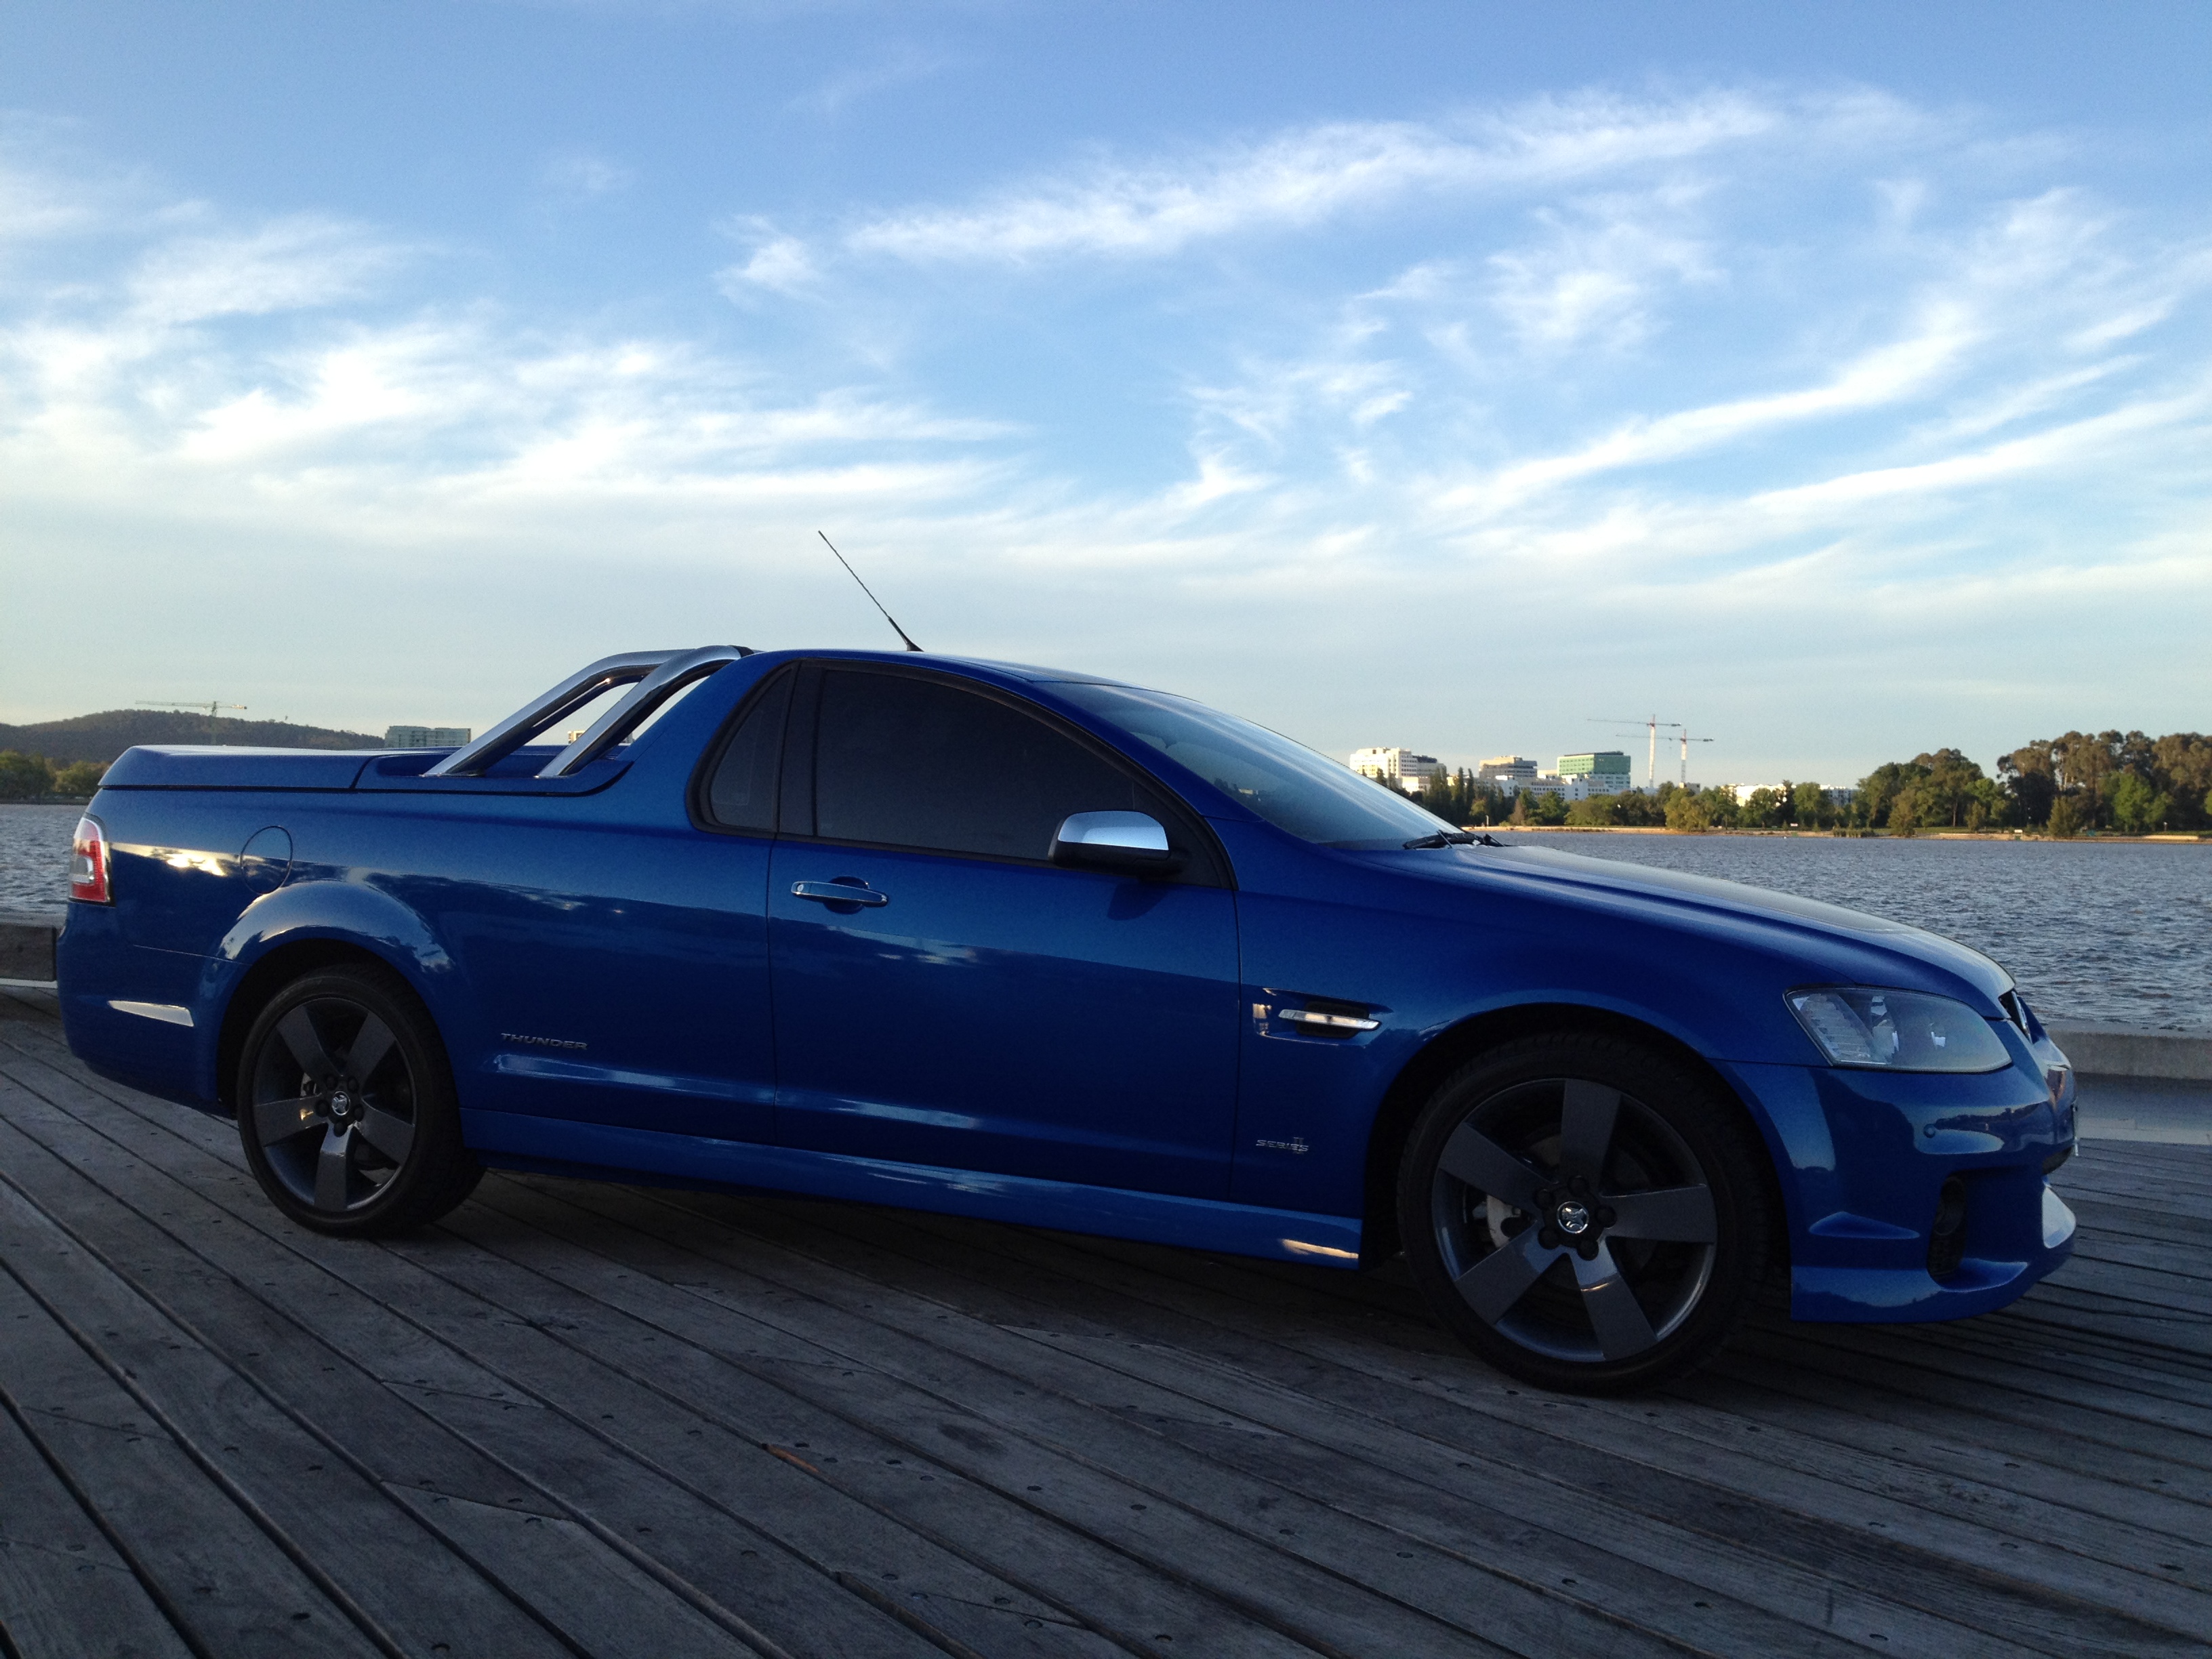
(164, 767)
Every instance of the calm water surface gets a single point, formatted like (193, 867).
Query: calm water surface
(34, 851)
(2117, 931)
(2093, 930)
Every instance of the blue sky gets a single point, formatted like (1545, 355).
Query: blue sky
(1835, 379)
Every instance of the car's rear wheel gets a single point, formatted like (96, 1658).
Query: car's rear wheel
(1584, 1212)
(345, 1106)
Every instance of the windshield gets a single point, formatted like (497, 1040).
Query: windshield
(1287, 783)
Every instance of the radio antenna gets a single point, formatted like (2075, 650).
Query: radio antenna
(873, 599)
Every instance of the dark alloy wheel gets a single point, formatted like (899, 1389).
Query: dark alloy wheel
(345, 1106)
(1583, 1212)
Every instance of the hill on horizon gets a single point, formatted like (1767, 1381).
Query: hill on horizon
(104, 736)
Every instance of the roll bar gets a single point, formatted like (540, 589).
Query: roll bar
(475, 759)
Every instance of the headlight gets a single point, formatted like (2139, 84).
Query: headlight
(1897, 1030)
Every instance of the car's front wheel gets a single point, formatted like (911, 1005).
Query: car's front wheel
(345, 1106)
(1584, 1212)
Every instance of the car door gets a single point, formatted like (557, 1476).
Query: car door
(974, 1006)
(624, 966)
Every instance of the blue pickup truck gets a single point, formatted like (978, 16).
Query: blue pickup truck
(1051, 949)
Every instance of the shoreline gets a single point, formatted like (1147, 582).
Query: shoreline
(2175, 839)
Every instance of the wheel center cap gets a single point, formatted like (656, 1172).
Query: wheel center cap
(341, 1103)
(1573, 1218)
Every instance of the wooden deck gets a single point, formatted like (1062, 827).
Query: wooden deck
(602, 1420)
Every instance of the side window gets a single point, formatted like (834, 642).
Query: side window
(741, 792)
(906, 762)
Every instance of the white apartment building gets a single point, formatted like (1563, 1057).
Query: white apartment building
(1400, 767)
(1509, 772)
(426, 737)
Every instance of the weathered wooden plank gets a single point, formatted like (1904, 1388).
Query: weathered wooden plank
(840, 1368)
(603, 1314)
(226, 1585)
(827, 1620)
(1998, 1385)
(681, 1312)
(1408, 1639)
(1744, 1480)
(1633, 1532)
(405, 1584)
(65, 1591)
(1946, 1443)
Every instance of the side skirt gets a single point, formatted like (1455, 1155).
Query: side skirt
(514, 1140)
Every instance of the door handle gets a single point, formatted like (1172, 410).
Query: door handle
(838, 892)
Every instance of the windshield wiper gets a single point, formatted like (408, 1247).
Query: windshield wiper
(1453, 838)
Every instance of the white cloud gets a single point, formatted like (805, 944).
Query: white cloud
(289, 264)
(1303, 177)
(897, 67)
(781, 265)
(583, 176)
(1590, 281)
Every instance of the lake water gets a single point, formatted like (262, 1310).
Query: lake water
(2116, 931)
(34, 852)
(2100, 930)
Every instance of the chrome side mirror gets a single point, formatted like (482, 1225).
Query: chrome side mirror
(1129, 844)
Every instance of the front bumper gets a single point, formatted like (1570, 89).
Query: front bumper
(1864, 1157)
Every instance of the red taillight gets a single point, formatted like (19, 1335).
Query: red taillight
(88, 864)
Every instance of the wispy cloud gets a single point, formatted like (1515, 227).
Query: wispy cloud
(897, 66)
(583, 176)
(289, 264)
(1304, 177)
(777, 263)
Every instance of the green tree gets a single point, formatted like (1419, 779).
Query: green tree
(23, 776)
(2136, 805)
(1687, 812)
(1880, 788)
(2067, 818)
(1946, 792)
(79, 777)
(1765, 808)
(2031, 778)
(2181, 765)
(1809, 808)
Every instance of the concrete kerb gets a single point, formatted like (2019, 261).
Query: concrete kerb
(26, 945)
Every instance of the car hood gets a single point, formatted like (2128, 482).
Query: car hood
(1684, 898)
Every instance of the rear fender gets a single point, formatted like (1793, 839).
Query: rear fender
(316, 921)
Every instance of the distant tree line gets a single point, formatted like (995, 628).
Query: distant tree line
(27, 777)
(2068, 786)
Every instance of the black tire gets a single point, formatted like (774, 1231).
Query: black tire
(346, 1108)
(1530, 1202)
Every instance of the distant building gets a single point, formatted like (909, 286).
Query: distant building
(1548, 783)
(1506, 772)
(1602, 772)
(1400, 767)
(426, 737)
(1744, 792)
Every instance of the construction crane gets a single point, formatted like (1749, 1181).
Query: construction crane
(1651, 726)
(213, 708)
(1687, 741)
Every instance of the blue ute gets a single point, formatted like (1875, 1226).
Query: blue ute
(1048, 949)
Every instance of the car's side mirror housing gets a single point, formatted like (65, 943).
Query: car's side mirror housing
(1126, 843)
